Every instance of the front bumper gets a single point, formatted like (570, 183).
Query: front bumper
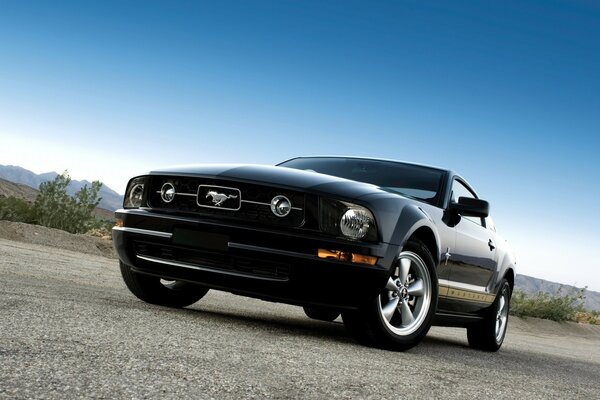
(256, 262)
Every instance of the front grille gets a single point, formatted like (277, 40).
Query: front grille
(244, 201)
(216, 261)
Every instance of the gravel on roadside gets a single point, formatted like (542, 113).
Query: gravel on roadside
(36, 234)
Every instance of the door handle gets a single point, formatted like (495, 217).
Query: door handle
(491, 244)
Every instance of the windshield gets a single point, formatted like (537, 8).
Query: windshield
(422, 183)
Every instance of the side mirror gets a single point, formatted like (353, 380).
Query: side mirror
(470, 207)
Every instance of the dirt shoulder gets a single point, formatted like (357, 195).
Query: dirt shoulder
(546, 328)
(56, 238)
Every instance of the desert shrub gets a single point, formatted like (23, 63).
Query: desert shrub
(557, 306)
(588, 317)
(102, 229)
(54, 208)
(16, 210)
(103, 225)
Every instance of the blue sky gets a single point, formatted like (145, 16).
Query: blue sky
(507, 93)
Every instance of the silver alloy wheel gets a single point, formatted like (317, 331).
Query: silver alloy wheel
(406, 300)
(501, 315)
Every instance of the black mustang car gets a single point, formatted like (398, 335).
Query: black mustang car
(393, 247)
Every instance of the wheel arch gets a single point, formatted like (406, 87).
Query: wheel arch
(425, 234)
(506, 270)
(509, 275)
(414, 222)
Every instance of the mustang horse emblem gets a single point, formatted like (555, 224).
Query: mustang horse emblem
(219, 198)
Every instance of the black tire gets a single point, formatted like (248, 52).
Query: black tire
(321, 313)
(374, 326)
(151, 290)
(489, 334)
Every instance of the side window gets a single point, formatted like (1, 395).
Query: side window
(460, 190)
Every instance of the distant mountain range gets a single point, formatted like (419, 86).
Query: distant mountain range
(530, 285)
(111, 200)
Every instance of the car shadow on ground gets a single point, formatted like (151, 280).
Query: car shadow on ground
(435, 342)
(301, 326)
(282, 322)
(272, 321)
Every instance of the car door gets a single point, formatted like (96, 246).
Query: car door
(474, 257)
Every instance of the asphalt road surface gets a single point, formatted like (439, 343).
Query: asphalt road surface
(70, 329)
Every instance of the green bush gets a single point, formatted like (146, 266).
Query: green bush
(557, 306)
(16, 210)
(54, 208)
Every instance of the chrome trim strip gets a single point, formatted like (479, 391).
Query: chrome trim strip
(250, 247)
(181, 194)
(464, 292)
(224, 187)
(462, 286)
(206, 269)
(256, 202)
(266, 204)
(165, 235)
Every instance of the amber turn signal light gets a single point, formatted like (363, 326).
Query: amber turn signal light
(346, 257)
(119, 223)
(361, 259)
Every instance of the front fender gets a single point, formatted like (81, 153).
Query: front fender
(411, 219)
(398, 219)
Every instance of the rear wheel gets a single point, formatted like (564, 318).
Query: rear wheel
(400, 316)
(158, 291)
(321, 313)
(489, 334)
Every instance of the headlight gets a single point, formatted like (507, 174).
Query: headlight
(134, 194)
(346, 219)
(355, 222)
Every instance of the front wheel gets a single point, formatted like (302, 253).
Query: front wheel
(489, 334)
(155, 290)
(400, 316)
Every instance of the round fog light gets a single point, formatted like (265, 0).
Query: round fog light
(167, 192)
(281, 206)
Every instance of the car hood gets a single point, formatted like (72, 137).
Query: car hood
(290, 178)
